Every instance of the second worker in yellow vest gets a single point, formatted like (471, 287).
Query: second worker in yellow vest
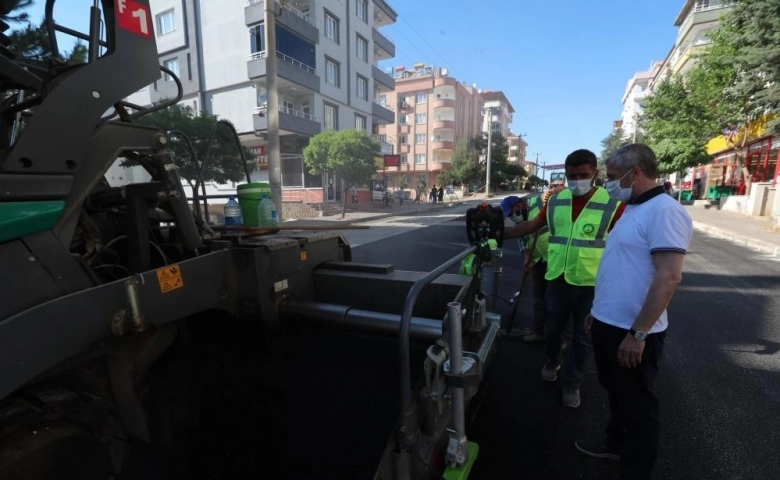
(579, 220)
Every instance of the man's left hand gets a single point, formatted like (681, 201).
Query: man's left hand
(630, 352)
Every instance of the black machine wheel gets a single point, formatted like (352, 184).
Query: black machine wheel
(54, 432)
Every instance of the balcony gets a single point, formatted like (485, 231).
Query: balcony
(404, 148)
(699, 15)
(385, 148)
(287, 68)
(290, 122)
(382, 79)
(448, 124)
(384, 47)
(446, 145)
(444, 102)
(404, 128)
(382, 114)
(383, 13)
(292, 18)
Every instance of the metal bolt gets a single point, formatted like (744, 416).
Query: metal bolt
(95, 94)
(32, 259)
(162, 140)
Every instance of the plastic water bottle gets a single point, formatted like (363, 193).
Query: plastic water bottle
(266, 212)
(232, 212)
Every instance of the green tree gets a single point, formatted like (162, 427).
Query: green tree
(752, 27)
(15, 11)
(224, 159)
(31, 42)
(348, 153)
(463, 166)
(499, 151)
(677, 126)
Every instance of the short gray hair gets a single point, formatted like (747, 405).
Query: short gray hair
(635, 155)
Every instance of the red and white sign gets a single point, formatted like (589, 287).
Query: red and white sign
(133, 17)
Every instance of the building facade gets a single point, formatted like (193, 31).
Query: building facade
(633, 100)
(695, 20)
(434, 113)
(328, 74)
(500, 112)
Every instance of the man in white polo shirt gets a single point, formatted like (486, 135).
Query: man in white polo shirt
(639, 272)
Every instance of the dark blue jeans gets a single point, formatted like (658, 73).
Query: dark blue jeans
(566, 303)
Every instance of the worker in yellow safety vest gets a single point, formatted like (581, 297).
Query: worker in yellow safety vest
(579, 219)
(536, 264)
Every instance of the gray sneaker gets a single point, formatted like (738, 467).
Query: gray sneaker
(550, 372)
(571, 396)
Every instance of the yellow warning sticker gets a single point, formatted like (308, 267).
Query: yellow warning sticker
(169, 278)
(304, 255)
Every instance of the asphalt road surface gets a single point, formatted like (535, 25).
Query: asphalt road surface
(719, 383)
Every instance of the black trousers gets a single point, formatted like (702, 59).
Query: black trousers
(568, 305)
(633, 428)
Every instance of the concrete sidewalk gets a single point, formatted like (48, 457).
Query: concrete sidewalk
(750, 232)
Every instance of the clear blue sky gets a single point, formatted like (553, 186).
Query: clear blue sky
(563, 65)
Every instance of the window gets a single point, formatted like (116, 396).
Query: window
(361, 10)
(331, 27)
(360, 123)
(332, 73)
(189, 67)
(362, 88)
(420, 118)
(403, 119)
(288, 106)
(165, 23)
(331, 117)
(404, 159)
(419, 139)
(383, 100)
(362, 49)
(419, 158)
(172, 65)
(402, 139)
(421, 97)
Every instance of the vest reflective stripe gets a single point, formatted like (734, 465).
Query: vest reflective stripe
(540, 252)
(576, 247)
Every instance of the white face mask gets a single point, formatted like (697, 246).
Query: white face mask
(580, 187)
(617, 192)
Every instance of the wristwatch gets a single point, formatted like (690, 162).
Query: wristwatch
(639, 336)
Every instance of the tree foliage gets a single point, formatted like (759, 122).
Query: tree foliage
(501, 171)
(224, 159)
(752, 28)
(463, 167)
(349, 154)
(677, 126)
(31, 42)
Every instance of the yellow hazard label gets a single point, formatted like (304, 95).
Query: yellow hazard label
(304, 255)
(169, 278)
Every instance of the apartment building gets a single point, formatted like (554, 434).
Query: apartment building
(633, 99)
(517, 150)
(695, 20)
(434, 113)
(328, 75)
(500, 112)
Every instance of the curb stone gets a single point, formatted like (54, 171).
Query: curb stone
(749, 242)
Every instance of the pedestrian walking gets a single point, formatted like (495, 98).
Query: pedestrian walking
(579, 219)
(440, 194)
(354, 195)
(639, 272)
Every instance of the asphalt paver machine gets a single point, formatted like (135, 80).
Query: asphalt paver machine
(137, 342)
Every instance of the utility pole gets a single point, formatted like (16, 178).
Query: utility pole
(536, 162)
(274, 156)
(487, 159)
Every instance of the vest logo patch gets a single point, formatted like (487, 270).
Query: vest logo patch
(588, 229)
